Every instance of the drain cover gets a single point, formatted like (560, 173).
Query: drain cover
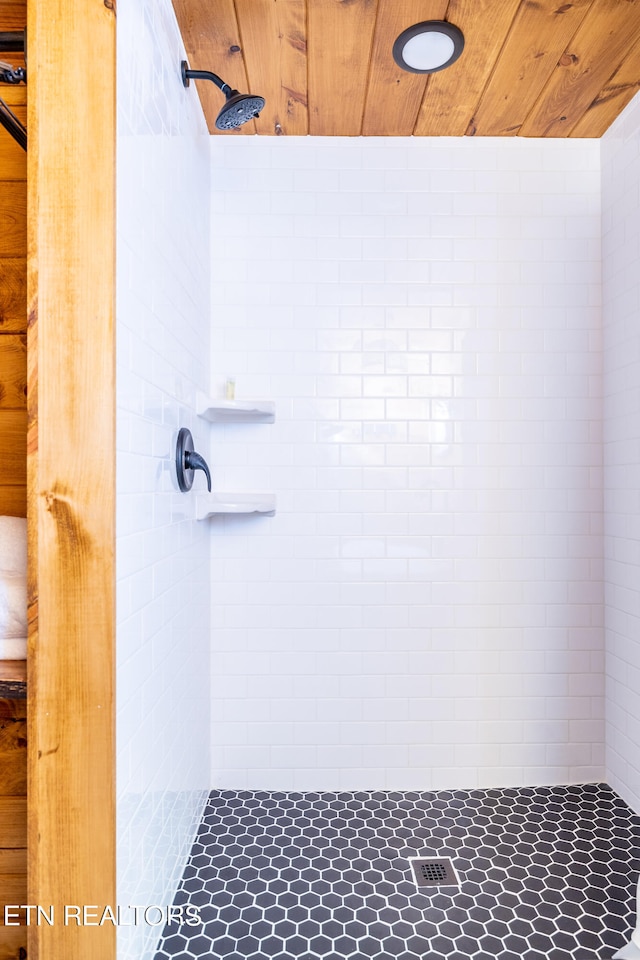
(434, 872)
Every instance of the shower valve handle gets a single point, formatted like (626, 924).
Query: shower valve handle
(187, 461)
(193, 461)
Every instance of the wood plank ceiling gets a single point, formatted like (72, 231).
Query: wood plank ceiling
(530, 68)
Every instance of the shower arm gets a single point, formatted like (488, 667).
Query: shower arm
(188, 75)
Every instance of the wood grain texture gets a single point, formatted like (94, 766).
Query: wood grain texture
(13, 325)
(13, 862)
(16, 98)
(339, 40)
(13, 15)
(13, 372)
(14, 888)
(538, 38)
(394, 95)
(13, 159)
(609, 30)
(13, 218)
(71, 270)
(13, 500)
(13, 708)
(274, 35)
(518, 68)
(453, 94)
(12, 940)
(212, 41)
(13, 446)
(13, 756)
(612, 99)
(13, 295)
(13, 822)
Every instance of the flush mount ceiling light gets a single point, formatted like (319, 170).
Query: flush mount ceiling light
(428, 47)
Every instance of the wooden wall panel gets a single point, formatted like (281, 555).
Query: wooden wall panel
(339, 39)
(12, 943)
(13, 821)
(13, 446)
(12, 158)
(13, 752)
(13, 373)
(13, 294)
(13, 301)
(274, 34)
(71, 461)
(13, 217)
(13, 498)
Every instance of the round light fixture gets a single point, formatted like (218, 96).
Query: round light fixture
(428, 47)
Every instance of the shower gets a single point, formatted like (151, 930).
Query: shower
(239, 107)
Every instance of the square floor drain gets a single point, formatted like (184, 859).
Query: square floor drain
(434, 872)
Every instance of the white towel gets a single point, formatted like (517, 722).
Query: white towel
(13, 605)
(13, 649)
(13, 615)
(13, 544)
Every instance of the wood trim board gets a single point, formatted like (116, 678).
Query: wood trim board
(71, 470)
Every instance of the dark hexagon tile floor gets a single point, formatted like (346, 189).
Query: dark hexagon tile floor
(546, 873)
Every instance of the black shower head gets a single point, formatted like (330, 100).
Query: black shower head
(239, 108)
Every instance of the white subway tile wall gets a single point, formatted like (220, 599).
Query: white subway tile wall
(425, 609)
(621, 294)
(162, 553)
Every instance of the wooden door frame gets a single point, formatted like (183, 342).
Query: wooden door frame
(71, 472)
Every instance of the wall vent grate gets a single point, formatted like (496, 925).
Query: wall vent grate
(434, 872)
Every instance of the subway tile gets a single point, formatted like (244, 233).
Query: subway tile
(409, 345)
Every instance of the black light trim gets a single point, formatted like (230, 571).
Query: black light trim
(429, 26)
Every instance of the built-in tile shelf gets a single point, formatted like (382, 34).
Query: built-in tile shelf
(223, 502)
(235, 411)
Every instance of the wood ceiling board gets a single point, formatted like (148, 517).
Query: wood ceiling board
(453, 94)
(612, 99)
(212, 40)
(275, 49)
(394, 95)
(586, 66)
(339, 40)
(538, 37)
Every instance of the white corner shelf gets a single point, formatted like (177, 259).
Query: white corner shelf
(224, 502)
(235, 411)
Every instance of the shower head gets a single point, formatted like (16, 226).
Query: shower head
(239, 107)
